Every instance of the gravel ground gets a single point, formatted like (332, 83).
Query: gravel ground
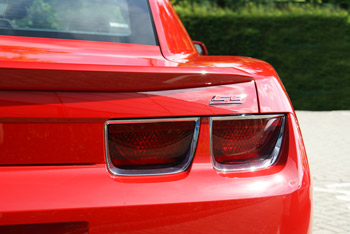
(327, 140)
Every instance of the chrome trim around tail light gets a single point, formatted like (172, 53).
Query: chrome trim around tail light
(253, 166)
(183, 166)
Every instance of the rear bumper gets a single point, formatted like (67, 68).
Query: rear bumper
(90, 194)
(276, 200)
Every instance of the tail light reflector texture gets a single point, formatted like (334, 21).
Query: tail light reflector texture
(246, 142)
(151, 147)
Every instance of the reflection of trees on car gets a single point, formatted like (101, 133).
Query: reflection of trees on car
(70, 15)
(39, 15)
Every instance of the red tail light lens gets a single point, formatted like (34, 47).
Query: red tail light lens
(151, 147)
(246, 142)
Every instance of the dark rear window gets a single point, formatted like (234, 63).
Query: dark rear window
(124, 21)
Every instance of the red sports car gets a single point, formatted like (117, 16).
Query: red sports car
(112, 122)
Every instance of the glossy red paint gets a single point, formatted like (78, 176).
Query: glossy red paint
(49, 50)
(31, 64)
(69, 106)
(174, 40)
(197, 200)
(56, 96)
(273, 97)
(69, 121)
(52, 228)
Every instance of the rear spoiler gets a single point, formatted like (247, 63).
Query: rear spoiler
(85, 77)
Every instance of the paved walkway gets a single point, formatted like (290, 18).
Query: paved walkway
(327, 140)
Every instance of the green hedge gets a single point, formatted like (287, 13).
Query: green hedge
(310, 51)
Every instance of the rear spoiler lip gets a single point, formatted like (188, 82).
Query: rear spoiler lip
(87, 77)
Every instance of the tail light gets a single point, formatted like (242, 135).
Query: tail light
(149, 147)
(246, 142)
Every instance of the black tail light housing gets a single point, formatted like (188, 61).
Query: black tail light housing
(151, 146)
(246, 143)
(166, 146)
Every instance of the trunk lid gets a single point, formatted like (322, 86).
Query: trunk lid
(56, 64)
(58, 94)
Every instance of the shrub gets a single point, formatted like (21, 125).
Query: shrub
(309, 46)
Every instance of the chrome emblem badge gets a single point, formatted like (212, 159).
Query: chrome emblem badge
(229, 99)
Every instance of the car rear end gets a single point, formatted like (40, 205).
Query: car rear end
(102, 136)
(151, 161)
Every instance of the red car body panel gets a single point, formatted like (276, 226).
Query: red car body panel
(272, 95)
(69, 121)
(202, 199)
(100, 66)
(276, 200)
(174, 40)
(56, 98)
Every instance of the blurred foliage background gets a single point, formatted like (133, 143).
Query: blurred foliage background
(307, 42)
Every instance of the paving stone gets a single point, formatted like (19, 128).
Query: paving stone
(327, 141)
